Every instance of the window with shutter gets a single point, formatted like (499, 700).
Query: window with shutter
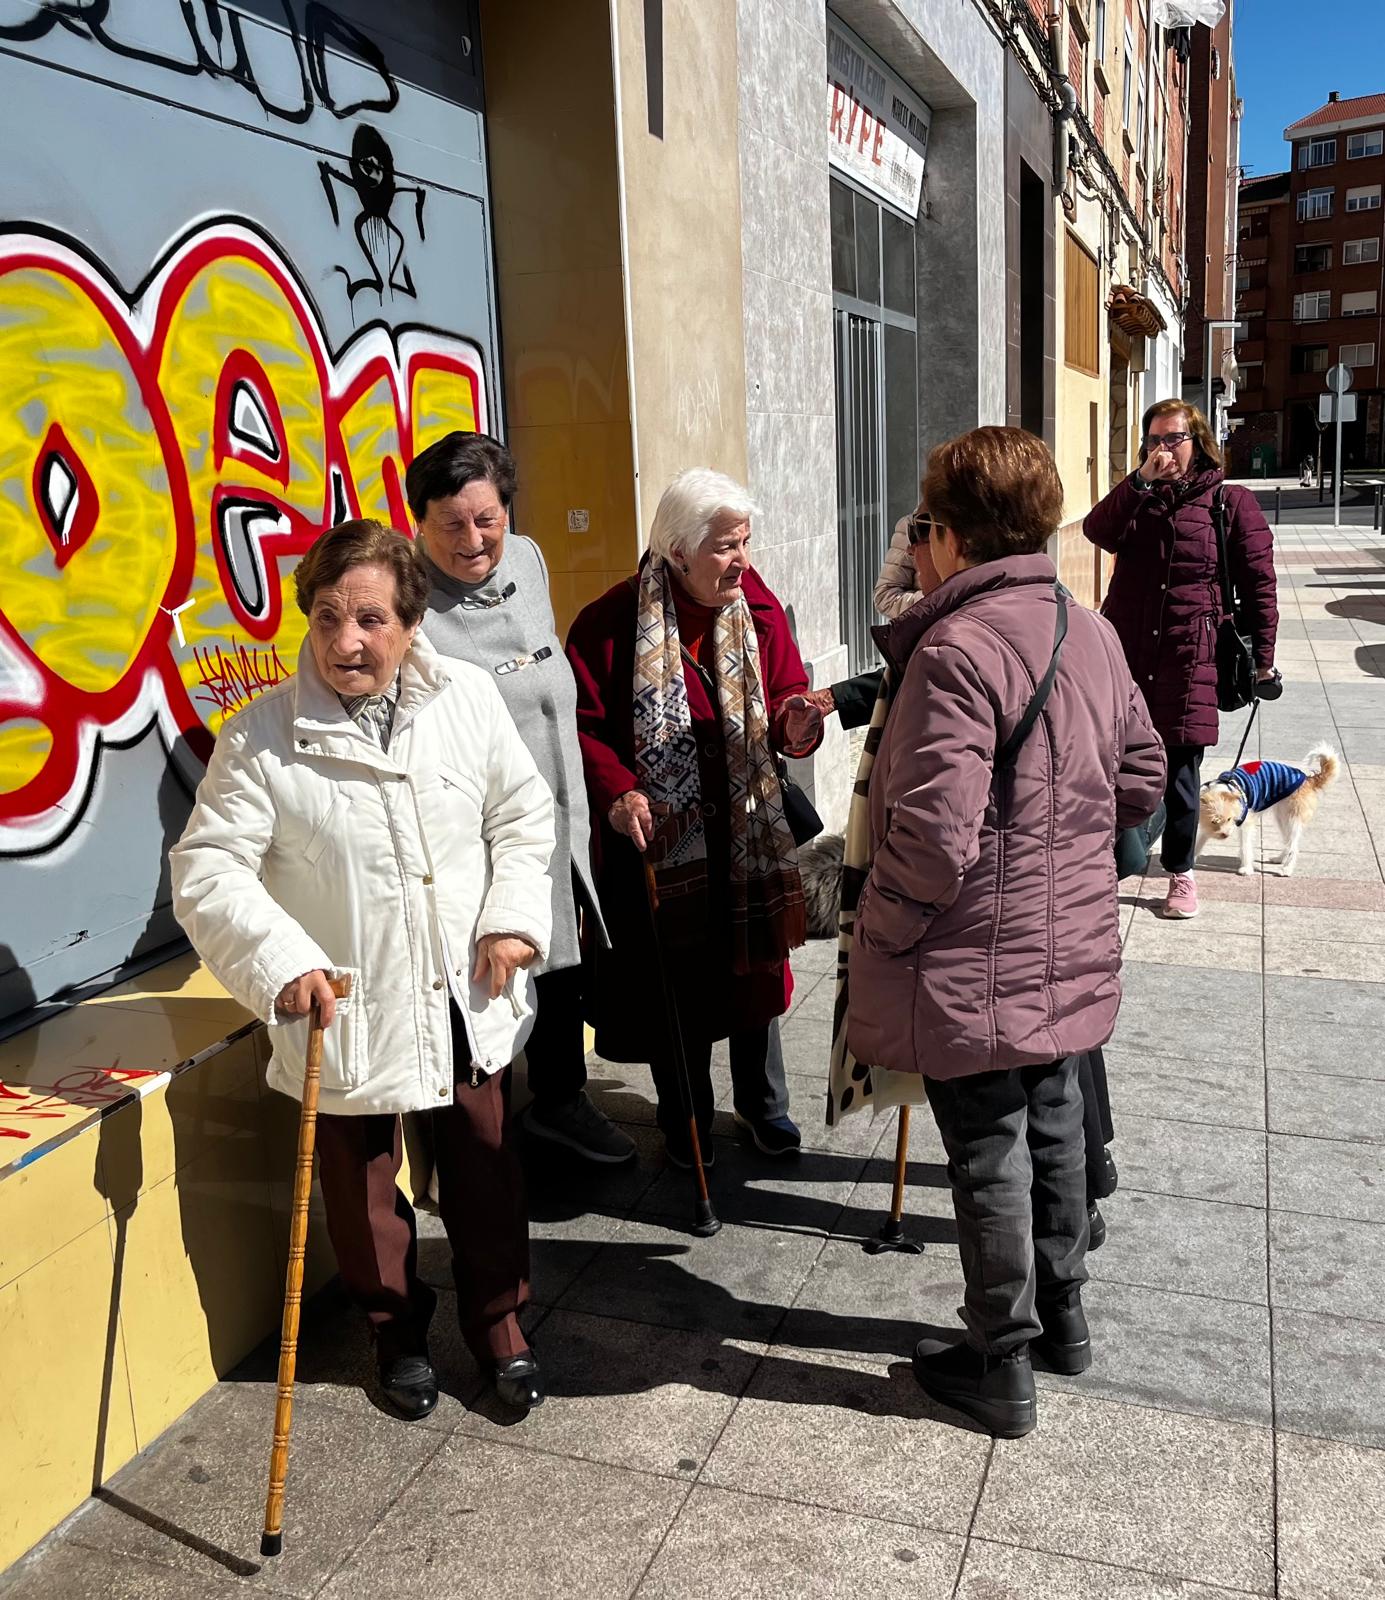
(1081, 323)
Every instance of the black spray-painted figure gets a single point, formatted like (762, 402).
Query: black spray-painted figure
(371, 178)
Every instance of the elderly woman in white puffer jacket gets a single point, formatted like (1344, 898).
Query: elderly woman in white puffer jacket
(378, 815)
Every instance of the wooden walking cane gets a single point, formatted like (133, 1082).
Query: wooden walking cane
(705, 1220)
(891, 1235)
(272, 1539)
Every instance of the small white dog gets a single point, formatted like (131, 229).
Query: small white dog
(1289, 794)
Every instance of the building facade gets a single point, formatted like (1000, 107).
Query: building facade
(1264, 298)
(1214, 115)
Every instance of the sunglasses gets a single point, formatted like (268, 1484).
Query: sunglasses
(1171, 440)
(918, 528)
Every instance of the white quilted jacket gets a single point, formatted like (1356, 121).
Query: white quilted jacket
(310, 847)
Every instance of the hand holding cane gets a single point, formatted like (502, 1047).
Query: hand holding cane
(272, 1539)
(705, 1220)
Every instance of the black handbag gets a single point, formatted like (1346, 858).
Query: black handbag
(799, 811)
(1235, 653)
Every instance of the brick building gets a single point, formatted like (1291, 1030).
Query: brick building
(1264, 278)
(1314, 289)
(1214, 117)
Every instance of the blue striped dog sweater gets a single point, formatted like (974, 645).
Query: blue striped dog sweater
(1263, 784)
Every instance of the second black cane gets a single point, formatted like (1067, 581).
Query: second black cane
(705, 1220)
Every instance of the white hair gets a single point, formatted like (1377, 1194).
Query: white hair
(691, 505)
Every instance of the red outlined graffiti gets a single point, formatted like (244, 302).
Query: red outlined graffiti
(165, 458)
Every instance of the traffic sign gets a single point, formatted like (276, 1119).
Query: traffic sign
(1346, 401)
(1339, 379)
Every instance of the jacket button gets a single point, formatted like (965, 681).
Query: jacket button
(710, 751)
(428, 877)
(710, 809)
(1151, 678)
(442, 1094)
(437, 983)
(1156, 633)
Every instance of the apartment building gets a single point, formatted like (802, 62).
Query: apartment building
(1313, 286)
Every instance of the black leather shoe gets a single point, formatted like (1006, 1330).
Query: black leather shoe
(1111, 1175)
(1065, 1345)
(519, 1382)
(1096, 1227)
(410, 1385)
(995, 1391)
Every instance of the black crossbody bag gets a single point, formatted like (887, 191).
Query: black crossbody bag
(1235, 653)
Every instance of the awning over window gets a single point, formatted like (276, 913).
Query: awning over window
(1134, 312)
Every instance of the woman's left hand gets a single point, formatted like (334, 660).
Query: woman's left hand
(501, 955)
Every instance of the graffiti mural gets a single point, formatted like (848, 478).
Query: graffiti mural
(167, 452)
(372, 179)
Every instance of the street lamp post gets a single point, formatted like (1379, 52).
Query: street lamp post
(1209, 325)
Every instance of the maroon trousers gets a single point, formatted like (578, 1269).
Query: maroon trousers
(480, 1197)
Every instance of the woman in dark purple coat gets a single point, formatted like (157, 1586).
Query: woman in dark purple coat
(1165, 603)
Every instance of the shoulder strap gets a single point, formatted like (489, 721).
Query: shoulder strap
(1228, 600)
(1005, 756)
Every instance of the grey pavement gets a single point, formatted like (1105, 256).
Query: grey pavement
(736, 1416)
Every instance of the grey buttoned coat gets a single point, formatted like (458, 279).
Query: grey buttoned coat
(505, 624)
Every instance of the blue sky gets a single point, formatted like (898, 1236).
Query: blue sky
(1289, 54)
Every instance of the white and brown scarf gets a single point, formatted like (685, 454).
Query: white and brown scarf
(767, 910)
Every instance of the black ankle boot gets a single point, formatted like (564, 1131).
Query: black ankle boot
(995, 1391)
(1065, 1345)
(1096, 1227)
(1111, 1175)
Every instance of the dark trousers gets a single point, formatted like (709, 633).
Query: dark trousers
(556, 1050)
(759, 1087)
(1097, 1128)
(1180, 800)
(1015, 1162)
(480, 1197)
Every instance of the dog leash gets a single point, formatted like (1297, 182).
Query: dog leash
(1254, 707)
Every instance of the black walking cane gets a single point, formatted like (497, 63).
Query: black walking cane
(705, 1220)
(891, 1235)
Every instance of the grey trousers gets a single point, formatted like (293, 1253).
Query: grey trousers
(759, 1088)
(1016, 1162)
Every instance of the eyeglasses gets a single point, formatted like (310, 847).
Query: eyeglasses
(1172, 440)
(918, 527)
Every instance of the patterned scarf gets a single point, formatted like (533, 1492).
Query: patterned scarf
(852, 1084)
(768, 917)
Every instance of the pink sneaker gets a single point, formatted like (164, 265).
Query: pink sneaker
(1181, 900)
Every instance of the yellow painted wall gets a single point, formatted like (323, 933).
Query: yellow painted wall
(143, 1257)
(1077, 393)
(683, 240)
(550, 106)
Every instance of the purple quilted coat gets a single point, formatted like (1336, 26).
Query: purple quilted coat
(1165, 601)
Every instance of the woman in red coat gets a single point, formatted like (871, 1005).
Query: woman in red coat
(688, 682)
(1165, 603)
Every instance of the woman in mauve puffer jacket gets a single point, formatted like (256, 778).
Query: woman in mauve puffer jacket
(987, 945)
(1165, 603)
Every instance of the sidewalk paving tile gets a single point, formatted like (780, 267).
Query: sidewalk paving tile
(1332, 1178)
(1327, 1264)
(1006, 1572)
(736, 1283)
(76, 1572)
(1160, 1241)
(205, 1485)
(1224, 1090)
(753, 1548)
(1160, 1156)
(834, 1431)
(1329, 1376)
(489, 1519)
(1181, 1352)
(1328, 1107)
(1187, 1497)
(646, 1398)
(1325, 1025)
(1331, 1520)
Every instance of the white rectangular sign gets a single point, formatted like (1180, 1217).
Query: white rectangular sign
(877, 129)
(1347, 403)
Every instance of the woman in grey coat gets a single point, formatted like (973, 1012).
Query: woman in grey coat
(489, 604)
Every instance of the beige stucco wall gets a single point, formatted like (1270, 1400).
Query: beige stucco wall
(1077, 393)
(682, 220)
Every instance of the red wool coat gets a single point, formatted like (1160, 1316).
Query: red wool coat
(1165, 599)
(624, 1000)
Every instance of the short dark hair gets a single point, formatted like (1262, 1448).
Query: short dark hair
(999, 491)
(446, 467)
(366, 543)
